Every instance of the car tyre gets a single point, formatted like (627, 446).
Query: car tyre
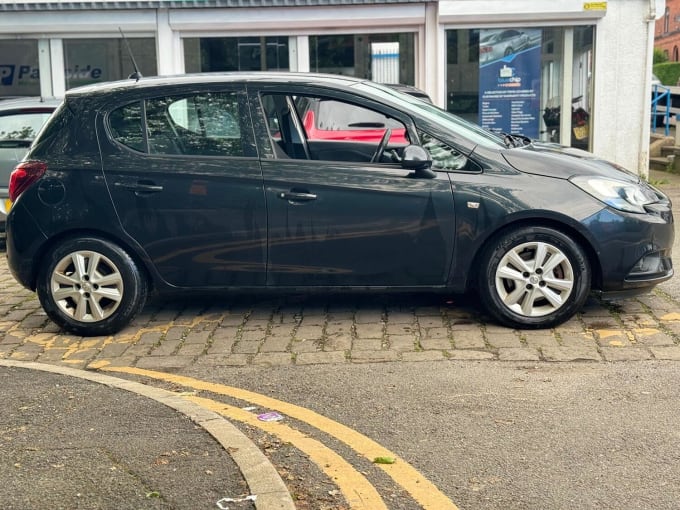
(534, 277)
(91, 287)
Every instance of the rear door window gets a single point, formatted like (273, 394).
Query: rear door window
(205, 124)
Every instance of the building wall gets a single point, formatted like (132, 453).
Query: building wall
(622, 87)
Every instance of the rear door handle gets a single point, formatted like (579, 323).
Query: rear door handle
(297, 197)
(139, 187)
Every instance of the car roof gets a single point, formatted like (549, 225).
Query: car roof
(28, 103)
(213, 78)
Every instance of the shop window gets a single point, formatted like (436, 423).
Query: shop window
(362, 56)
(218, 54)
(99, 60)
(19, 75)
(510, 80)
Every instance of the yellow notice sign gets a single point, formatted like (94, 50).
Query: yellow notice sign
(594, 6)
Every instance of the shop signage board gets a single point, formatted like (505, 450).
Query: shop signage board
(510, 80)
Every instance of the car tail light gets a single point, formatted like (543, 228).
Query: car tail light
(485, 49)
(23, 175)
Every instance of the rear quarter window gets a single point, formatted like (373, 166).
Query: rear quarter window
(54, 136)
(126, 126)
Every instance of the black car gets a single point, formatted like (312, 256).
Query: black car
(210, 183)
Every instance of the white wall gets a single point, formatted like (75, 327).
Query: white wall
(622, 89)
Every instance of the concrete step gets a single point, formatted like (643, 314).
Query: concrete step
(666, 150)
(660, 163)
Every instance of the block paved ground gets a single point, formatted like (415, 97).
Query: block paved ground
(302, 329)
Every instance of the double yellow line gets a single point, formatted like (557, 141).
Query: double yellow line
(358, 491)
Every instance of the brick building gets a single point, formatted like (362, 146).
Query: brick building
(667, 31)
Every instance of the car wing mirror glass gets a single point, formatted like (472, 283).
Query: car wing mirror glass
(417, 158)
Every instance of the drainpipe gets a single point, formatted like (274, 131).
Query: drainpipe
(643, 161)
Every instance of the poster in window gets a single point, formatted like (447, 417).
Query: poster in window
(510, 80)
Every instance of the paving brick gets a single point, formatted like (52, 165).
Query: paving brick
(275, 344)
(464, 325)
(318, 358)
(423, 356)
(309, 332)
(469, 339)
(164, 362)
(112, 350)
(503, 340)
(253, 336)
(518, 354)
(436, 344)
(612, 338)
(403, 343)
(652, 336)
(150, 338)
(222, 360)
(434, 332)
(368, 316)
(191, 350)
(401, 329)
(671, 352)
(400, 318)
(373, 356)
(367, 344)
(197, 337)
(338, 343)
(313, 320)
(571, 353)
(470, 354)
(246, 347)
(625, 353)
(339, 328)
(175, 333)
(53, 354)
(305, 346)
(364, 330)
(272, 359)
(577, 339)
(539, 339)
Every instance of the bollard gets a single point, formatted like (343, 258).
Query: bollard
(677, 130)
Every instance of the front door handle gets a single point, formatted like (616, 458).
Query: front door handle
(297, 196)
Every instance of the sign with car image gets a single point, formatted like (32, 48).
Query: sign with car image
(510, 81)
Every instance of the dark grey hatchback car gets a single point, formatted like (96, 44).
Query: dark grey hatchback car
(219, 183)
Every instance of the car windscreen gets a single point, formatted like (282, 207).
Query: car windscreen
(446, 120)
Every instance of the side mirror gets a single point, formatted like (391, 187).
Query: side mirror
(417, 158)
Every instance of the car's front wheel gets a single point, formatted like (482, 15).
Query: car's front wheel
(534, 277)
(91, 287)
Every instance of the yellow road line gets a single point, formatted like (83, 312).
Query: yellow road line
(358, 491)
(419, 487)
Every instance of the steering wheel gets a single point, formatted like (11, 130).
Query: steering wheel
(381, 146)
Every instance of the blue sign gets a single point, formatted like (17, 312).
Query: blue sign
(510, 81)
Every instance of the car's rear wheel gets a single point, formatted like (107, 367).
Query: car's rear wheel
(534, 277)
(90, 286)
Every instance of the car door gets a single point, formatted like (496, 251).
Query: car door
(335, 217)
(186, 182)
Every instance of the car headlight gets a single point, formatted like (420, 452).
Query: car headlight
(621, 195)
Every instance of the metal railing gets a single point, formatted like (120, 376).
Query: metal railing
(661, 94)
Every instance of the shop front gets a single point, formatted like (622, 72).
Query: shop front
(512, 67)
